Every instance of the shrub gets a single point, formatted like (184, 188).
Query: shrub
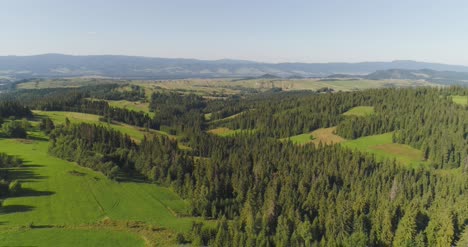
(14, 129)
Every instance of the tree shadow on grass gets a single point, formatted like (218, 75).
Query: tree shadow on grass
(131, 178)
(37, 138)
(10, 209)
(24, 173)
(26, 192)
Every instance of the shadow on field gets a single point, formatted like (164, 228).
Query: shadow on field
(9, 209)
(41, 226)
(26, 192)
(24, 173)
(38, 138)
(132, 178)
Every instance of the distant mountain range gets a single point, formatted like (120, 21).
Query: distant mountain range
(438, 77)
(128, 67)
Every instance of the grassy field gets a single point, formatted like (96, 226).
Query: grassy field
(461, 100)
(222, 119)
(322, 135)
(134, 132)
(58, 193)
(300, 139)
(383, 147)
(67, 237)
(360, 111)
(235, 86)
(67, 83)
(134, 106)
(226, 132)
(326, 136)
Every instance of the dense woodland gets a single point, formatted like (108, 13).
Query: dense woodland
(267, 192)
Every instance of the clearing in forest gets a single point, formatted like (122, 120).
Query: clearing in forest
(131, 105)
(136, 133)
(325, 136)
(360, 111)
(461, 100)
(227, 132)
(383, 147)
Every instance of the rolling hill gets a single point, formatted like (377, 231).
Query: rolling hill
(130, 67)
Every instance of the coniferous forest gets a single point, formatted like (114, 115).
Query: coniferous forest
(261, 189)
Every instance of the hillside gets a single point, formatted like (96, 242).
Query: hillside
(439, 77)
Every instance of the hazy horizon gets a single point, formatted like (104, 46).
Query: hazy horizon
(262, 31)
(233, 59)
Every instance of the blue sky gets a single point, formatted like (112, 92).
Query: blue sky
(270, 31)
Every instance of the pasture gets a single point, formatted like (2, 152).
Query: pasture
(383, 147)
(130, 105)
(325, 136)
(61, 194)
(461, 100)
(66, 83)
(226, 132)
(136, 133)
(69, 238)
(360, 111)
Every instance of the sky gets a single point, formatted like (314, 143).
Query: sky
(259, 30)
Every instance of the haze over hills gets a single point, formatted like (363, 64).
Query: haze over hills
(131, 67)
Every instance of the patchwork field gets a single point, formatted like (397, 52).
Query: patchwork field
(383, 147)
(360, 111)
(59, 194)
(67, 83)
(234, 86)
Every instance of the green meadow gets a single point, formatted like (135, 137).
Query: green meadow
(130, 105)
(61, 194)
(360, 111)
(300, 139)
(69, 238)
(461, 100)
(383, 147)
(134, 132)
(226, 132)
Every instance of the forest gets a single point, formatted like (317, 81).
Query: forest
(259, 188)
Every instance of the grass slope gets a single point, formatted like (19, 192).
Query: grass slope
(58, 193)
(383, 147)
(461, 100)
(360, 111)
(300, 139)
(226, 132)
(75, 117)
(72, 238)
(134, 106)
(322, 135)
(326, 136)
